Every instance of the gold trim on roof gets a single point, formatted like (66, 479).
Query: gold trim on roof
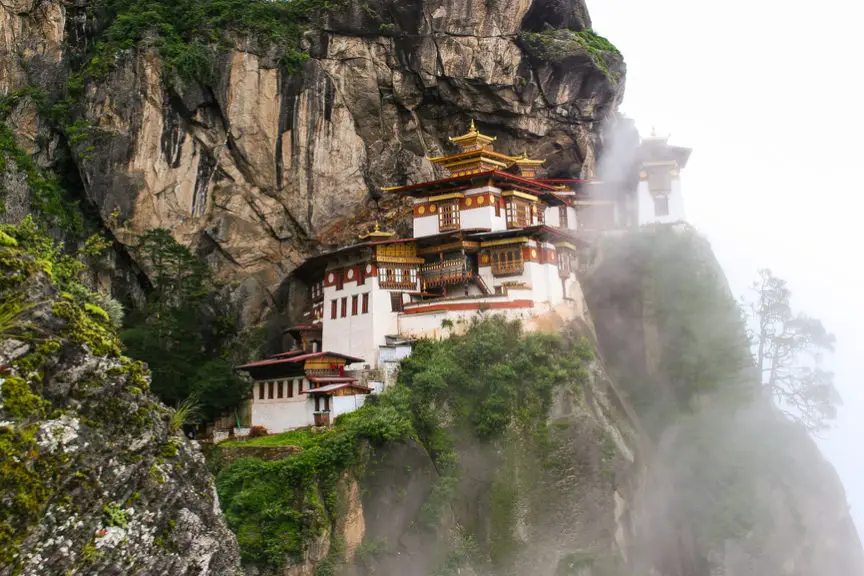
(505, 241)
(445, 247)
(451, 196)
(377, 233)
(520, 195)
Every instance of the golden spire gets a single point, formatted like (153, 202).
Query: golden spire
(473, 140)
(377, 233)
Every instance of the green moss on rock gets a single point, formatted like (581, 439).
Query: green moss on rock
(555, 45)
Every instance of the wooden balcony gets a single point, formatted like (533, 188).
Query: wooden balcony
(508, 268)
(445, 273)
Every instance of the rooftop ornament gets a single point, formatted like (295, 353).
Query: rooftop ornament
(376, 232)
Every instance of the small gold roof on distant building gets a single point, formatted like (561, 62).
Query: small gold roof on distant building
(473, 140)
(377, 233)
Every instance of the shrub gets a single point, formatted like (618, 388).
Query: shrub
(258, 432)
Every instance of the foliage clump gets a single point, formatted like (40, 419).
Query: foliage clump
(491, 378)
(49, 200)
(187, 32)
(184, 334)
(277, 508)
(558, 44)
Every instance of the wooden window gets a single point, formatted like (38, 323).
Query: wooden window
(270, 390)
(397, 278)
(562, 217)
(333, 307)
(340, 279)
(518, 213)
(290, 388)
(344, 307)
(260, 390)
(279, 389)
(498, 207)
(299, 385)
(326, 403)
(661, 205)
(396, 301)
(448, 216)
(366, 303)
(354, 301)
(317, 291)
(507, 261)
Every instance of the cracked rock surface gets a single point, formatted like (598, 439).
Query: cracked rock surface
(260, 168)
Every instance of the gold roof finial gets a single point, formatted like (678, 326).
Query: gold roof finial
(377, 233)
(473, 139)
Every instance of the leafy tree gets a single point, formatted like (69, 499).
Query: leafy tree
(184, 334)
(788, 350)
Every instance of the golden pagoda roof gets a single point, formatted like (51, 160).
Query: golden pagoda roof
(377, 233)
(524, 160)
(473, 139)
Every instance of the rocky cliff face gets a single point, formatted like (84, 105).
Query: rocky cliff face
(95, 476)
(258, 168)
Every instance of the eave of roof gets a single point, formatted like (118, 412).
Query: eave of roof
(455, 180)
(275, 361)
(336, 386)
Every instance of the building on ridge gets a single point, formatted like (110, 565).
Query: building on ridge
(494, 235)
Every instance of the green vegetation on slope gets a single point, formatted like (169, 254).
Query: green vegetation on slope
(277, 508)
(693, 336)
(491, 379)
(186, 332)
(185, 32)
(50, 202)
(555, 45)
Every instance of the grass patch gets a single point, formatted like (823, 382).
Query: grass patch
(304, 438)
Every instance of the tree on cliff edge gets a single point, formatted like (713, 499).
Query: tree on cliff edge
(788, 351)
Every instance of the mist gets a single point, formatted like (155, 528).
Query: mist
(760, 92)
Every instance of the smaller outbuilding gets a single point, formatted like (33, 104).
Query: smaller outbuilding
(295, 389)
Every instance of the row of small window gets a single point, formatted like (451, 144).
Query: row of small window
(355, 300)
(519, 213)
(279, 389)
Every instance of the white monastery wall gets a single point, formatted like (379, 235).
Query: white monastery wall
(477, 217)
(552, 217)
(425, 226)
(352, 335)
(345, 404)
(386, 322)
(282, 414)
(647, 214)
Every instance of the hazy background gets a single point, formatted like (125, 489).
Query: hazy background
(769, 95)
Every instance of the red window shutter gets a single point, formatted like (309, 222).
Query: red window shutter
(333, 306)
(366, 303)
(354, 300)
(344, 307)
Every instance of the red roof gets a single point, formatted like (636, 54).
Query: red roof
(336, 386)
(288, 353)
(491, 173)
(276, 360)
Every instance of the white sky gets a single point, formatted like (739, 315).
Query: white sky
(769, 95)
